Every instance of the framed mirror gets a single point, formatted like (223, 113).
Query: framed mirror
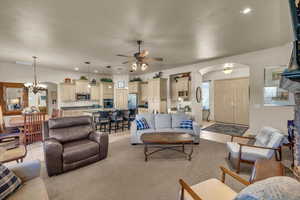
(13, 98)
(198, 95)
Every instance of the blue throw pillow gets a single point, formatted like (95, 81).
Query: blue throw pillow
(9, 182)
(186, 124)
(141, 124)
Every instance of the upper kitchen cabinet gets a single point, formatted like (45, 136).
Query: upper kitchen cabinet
(121, 99)
(67, 92)
(157, 95)
(134, 87)
(157, 89)
(144, 92)
(107, 90)
(82, 87)
(95, 92)
(180, 86)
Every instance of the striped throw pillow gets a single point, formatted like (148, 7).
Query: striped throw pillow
(186, 124)
(9, 182)
(142, 124)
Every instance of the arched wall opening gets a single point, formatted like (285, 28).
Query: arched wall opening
(212, 96)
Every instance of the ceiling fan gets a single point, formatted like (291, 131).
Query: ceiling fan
(140, 58)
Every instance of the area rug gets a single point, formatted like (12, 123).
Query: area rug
(124, 175)
(228, 129)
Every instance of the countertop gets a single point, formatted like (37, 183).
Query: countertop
(79, 108)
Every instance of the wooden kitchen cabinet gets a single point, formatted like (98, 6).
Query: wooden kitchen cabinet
(182, 84)
(180, 88)
(106, 90)
(95, 92)
(82, 87)
(157, 89)
(67, 92)
(144, 92)
(134, 87)
(157, 95)
(122, 98)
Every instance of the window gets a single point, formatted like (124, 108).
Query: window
(205, 95)
(273, 95)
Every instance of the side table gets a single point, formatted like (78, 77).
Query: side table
(264, 169)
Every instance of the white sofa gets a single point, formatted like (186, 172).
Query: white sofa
(163, 123)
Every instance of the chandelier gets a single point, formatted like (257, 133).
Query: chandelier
(138, 64)
(35, 86)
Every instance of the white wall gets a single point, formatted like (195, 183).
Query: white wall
(219, 75)
(260, 115)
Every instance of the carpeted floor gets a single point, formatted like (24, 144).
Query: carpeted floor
(125, 176)
(228, 129)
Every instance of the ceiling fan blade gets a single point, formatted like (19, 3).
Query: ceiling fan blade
(155, 59)
(158, 59)
(125, 62)
(121, 55)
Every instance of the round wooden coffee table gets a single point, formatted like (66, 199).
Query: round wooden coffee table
(162, 141)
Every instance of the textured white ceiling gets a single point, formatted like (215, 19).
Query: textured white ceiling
(65, 33)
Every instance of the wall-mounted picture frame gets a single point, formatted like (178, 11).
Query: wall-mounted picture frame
(273, 95)
(121, 84)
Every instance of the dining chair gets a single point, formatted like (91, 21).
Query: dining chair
(33, 127)
(56, 113)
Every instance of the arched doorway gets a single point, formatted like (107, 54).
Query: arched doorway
(225, 93)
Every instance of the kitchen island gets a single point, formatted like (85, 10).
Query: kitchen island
(82, 110)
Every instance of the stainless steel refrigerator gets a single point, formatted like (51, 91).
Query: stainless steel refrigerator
(132, 101)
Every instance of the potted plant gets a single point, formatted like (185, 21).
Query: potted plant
(106, 80)
(137, 79)
(83, 78)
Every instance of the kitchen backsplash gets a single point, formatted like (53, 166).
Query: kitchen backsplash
(78, 103)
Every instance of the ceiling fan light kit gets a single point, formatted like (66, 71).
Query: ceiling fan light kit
(140, 59)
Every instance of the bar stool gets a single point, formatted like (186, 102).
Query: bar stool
(102, 120)
(126, 119)
(116, 120)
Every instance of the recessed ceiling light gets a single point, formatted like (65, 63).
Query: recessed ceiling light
(96, 71)
(246, 11)
(76, 69)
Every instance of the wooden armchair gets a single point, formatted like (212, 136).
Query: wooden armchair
(211, 189)
(266, 144)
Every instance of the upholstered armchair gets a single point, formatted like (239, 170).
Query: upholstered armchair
(71, 142)
(267, 143)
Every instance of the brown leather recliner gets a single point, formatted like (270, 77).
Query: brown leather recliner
(71, 142)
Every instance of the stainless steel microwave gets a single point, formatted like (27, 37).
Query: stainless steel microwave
(83, 97)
